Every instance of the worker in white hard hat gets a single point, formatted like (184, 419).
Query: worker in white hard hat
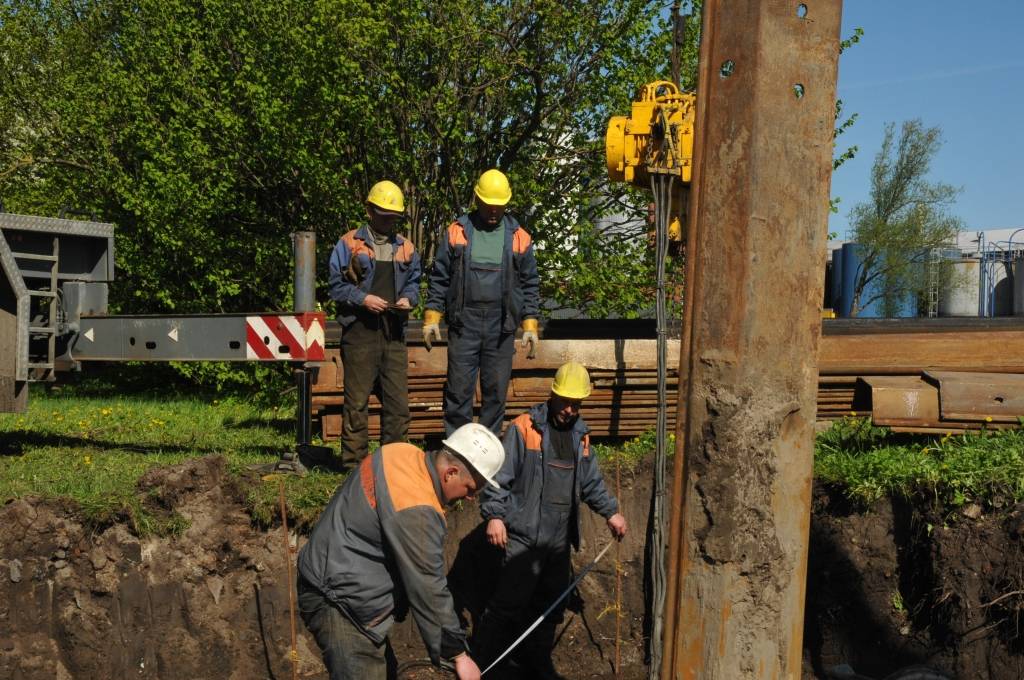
(533, 517)
(484, 283)
(383, 532)
(375, 279)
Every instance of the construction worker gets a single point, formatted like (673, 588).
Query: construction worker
(378, 548)
(484, 280)
(375, 278)
(533, 516)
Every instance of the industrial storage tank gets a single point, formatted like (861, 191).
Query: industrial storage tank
(997, 289)
(1018, 286)
(835, 291)
(847, 266)
(960, 294)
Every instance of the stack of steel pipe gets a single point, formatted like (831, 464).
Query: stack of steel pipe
(621, 357)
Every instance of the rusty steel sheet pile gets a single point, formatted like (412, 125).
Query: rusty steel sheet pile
(854, 355)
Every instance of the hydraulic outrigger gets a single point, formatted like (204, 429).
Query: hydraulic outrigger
(54, 281)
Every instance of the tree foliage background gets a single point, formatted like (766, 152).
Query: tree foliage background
(904, 223)
(209, 130)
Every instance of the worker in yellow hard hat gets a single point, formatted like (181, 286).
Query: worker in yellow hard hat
(375, 279)
(533, 518)
(484, 283)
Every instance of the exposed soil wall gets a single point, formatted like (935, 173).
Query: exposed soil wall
(213, 603)
(887, 588)
(898, 586)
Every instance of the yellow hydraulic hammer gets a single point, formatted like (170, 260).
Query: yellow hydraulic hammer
(655, 139)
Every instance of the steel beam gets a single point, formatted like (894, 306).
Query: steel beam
(760, 206)
(213, 337)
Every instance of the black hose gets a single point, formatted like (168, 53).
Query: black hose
(415, 664)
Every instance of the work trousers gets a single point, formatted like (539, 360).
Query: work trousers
(533, 576)
(347, 652)
(530, 580)
(369, 355)
(478, 347)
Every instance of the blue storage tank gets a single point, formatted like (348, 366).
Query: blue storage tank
(849, 269)
(836, 289)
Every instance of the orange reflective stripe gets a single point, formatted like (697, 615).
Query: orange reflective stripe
(356, 245)
(409, 482)
(586, 445)
(404, 252)
(521, 240)
(457, 235)
(530, 435)
(366, 479)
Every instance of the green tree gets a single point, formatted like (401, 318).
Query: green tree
(208, 130)
(905, 221)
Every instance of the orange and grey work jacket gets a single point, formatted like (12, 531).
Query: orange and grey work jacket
(520, 283)
(521, 477)
(378, 548)
(351, 269)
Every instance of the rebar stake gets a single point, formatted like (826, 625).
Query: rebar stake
(618, 575)
(293, 654)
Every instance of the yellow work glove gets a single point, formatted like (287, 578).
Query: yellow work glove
(529, 327)
(431, 327)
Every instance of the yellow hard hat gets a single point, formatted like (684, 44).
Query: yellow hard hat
(386, 196)
(571, 381)
(492, 188)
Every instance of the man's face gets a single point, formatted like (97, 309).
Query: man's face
(564, 411)
(490, 214)
(382, 221)
(456, 484)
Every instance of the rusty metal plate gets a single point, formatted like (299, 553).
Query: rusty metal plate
(907, 401)
(978, 396)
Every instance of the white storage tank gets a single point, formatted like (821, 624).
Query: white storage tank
(961, 293)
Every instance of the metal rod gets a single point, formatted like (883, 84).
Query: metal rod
(293, 653)
(679, 467)
(550, 609)
(618, 578)
(304, 252)
(676, 42)
(304, 427)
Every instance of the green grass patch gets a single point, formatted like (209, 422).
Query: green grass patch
(93, 450)
(870, 463)
(630, 453)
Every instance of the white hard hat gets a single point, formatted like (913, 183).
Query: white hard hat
(479, 447)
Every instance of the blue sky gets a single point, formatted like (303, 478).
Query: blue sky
(955, 65)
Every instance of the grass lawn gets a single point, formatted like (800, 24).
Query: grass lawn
(93, 450)
(986, 468)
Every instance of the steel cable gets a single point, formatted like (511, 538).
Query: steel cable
(661, 188)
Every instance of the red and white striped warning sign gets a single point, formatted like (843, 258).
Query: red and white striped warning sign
(285, 337)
